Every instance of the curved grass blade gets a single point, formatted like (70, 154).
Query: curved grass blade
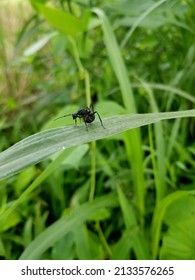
(37, 147)
(139, 20)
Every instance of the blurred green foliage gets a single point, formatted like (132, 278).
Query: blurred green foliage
(127, 197)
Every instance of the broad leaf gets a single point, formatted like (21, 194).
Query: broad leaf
(65, 22)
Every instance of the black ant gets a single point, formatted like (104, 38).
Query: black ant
(87, 114)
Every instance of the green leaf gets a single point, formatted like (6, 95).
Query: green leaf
(159, 214)
(65, 225)
(24, 179)
(137, 22)
(82, 242)
(179, 241)
(13, 220)
(137, 240)
(2, 248)
(121, 249)
(67, 243)
(87, 244)
(65, 22)
(37, 147)
(38, 45)
(180, 211)
(35, 2)
(101, 215)
(73, 156)
(117, 62)
(132, 138)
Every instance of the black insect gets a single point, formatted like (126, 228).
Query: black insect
(87, 114)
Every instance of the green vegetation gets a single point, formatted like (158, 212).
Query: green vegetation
(129, 195)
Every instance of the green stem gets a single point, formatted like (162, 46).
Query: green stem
(93, 171)
(103, 239)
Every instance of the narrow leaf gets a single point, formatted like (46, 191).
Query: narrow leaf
(37, 147)
(38, 45)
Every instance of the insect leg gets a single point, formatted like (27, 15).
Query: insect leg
(99, 118)
(85, 123)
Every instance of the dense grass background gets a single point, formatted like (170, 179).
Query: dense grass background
(129, 196)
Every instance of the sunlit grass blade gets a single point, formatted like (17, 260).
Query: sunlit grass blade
(37, 147)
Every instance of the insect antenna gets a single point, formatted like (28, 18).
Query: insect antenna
(63, 117)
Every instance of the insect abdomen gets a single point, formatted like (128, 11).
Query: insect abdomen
(89, 118)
